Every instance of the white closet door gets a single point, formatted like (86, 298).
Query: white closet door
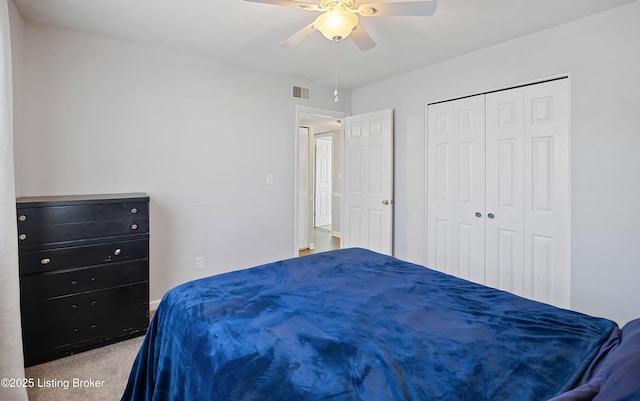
(511, 169)
(440, 192)
(504, 253)
(547, 251)
(455, 186)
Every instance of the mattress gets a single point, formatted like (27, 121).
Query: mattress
(353, 324)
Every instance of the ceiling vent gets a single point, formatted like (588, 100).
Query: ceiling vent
(301, 93)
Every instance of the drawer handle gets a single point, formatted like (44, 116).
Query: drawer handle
(74, 282)
(74, 306)
(22, 237)
(94, 302)
(93, 326)
(134, 211)
(45, 261)
(117, 252)
(22, 217)
(134, 226)
(75, 330)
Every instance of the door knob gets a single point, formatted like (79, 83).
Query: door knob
(385, 202)
(491, 215)
(478, 214)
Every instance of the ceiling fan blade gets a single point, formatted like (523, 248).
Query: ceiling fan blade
(361, 38)
(298, 36)
(402, 9)
(289, 3)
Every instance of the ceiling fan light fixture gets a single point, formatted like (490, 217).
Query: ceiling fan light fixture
(337, 23)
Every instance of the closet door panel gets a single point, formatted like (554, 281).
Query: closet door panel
(455, 187)
(547, 255)
(469, 181)
(504, 267)
(440, 141)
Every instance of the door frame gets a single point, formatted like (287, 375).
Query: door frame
(302, 110)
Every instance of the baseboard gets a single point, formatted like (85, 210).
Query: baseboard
(153, 305)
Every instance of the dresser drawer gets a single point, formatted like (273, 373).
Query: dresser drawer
(44, 344)
(39, 287)
(64, 320)
(64, 214)
(80, 256)
(57, 233)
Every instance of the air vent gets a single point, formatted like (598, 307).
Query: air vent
(301, 93)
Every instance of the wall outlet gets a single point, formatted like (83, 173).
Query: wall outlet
(200, 262)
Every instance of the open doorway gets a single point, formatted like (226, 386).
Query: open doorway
(319, 179)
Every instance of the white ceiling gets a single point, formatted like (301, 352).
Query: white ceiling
(249, 34)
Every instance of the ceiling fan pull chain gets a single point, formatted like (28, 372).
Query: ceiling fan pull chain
(335, 92)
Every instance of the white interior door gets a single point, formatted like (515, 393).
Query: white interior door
(368, 182)
(323, 181)
(455, 187)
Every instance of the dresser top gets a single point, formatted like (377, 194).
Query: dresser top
(60, 200)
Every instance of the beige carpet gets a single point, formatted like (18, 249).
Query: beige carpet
(98, 375)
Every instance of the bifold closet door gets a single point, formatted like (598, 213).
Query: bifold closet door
(527, 192)
(527, 228)
(498, 190)
(455, 196)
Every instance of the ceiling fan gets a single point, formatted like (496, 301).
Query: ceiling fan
(339, 19)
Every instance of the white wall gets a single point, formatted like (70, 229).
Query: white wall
(104, 116)
(602, 55)
(16, 26)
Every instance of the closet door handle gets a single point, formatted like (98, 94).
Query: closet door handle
(478, 214)
(491, 215)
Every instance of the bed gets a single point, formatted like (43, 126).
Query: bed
(353, 324)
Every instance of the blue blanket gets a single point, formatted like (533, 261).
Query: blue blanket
(356, 325)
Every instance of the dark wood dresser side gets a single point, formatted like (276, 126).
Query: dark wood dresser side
(84, 272)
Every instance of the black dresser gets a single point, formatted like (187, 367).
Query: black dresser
(84, 272)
